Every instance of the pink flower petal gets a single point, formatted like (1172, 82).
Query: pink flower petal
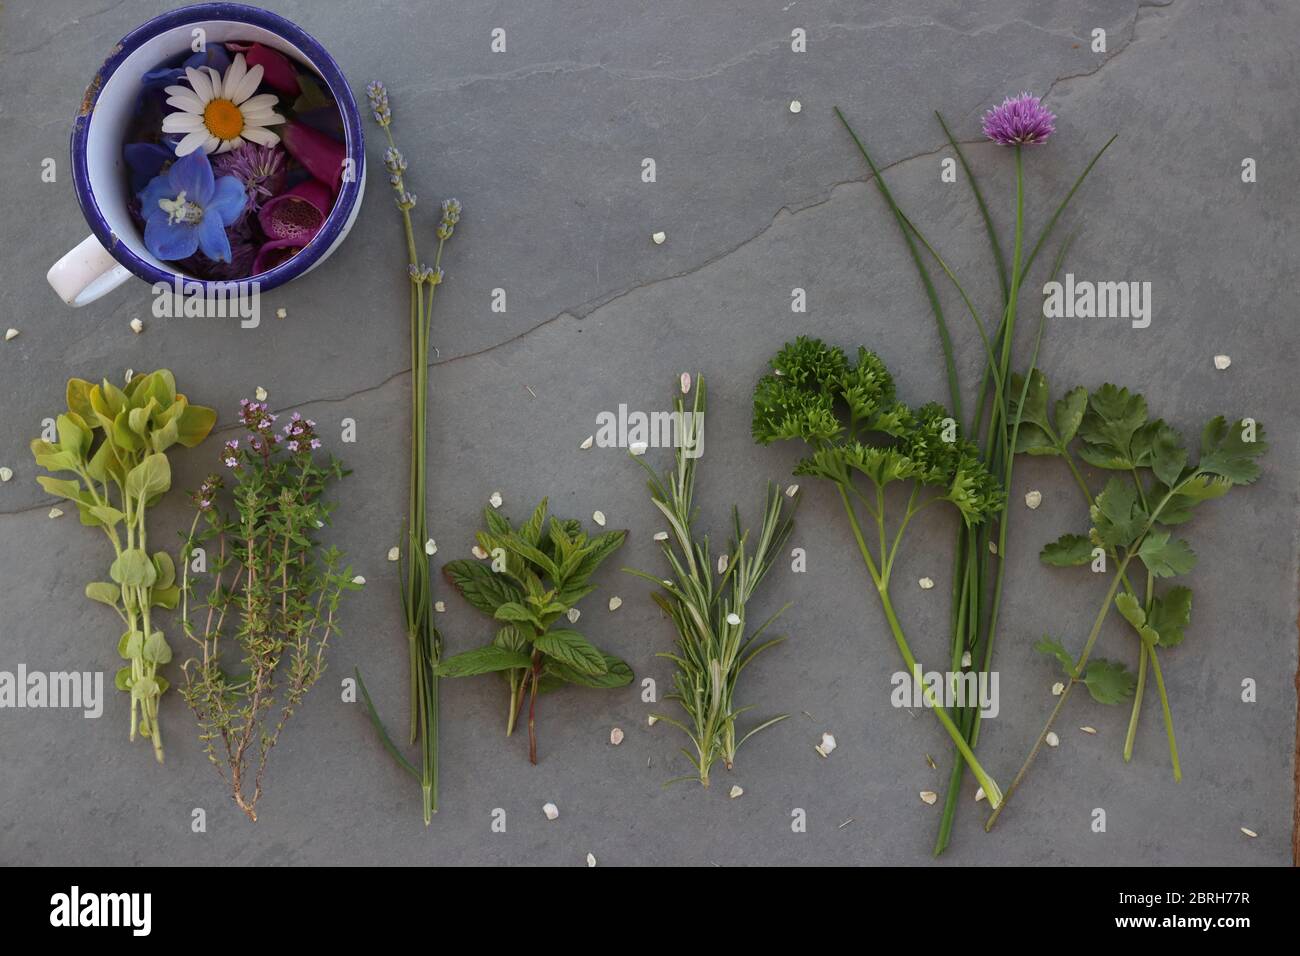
(322, 156)
(279, 72)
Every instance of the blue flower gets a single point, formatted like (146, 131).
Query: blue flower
(214, 56)
(186, 209)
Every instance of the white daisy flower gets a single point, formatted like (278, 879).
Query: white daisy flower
(218, 113)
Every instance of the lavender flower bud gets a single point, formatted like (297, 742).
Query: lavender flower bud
(451, 210)
(405, 200)
(394, 160)
(378, 97)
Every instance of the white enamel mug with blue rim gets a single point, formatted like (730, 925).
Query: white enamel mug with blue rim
(115, 249)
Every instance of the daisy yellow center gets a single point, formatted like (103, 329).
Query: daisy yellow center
(223, 119)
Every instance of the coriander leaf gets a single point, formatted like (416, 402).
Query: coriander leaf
(1116, 515)
(1191, 492)
(1231, 450)
(1168, 457)
(1053, 648)
(1170, 614)
(1109, 682)
(1108, 426)
(1067, 551)
(482, 660)
(1165, 556)
(1069, 413)
(572, 649)
(1034, 408)
(1032, 440)
(1131, 609)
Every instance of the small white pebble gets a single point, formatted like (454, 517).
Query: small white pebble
(11, 334)
(651, 720)
(826, 746)
(796, 106)
(686, 383)
(260, 393)
(430, 548)
(1051, 739)
(791, 491)
(358, 580)
(478, 553)
(587, 442)
(394, 554)
(6, 473)
(658, 238)
(616, 736)
(281, 313)
(1221, 362)
(966, 659)
(495, 499)
(598, 517)
(56, 512)
(993, 547)
(661, 535)
(722, 564)
(615, 603)
(926, 583)
(551, 810)
(637, 448)
(591, 860)
(1058, 689)
(1249, 832)
(929, 797)
(1089, 730)
(735, 792)
(979, 795)
(440, 607)
(130, 374)
(733, 618)
(1033, 499)
(136, 325)
(573, 614)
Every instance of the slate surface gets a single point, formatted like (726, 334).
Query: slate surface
(543, 144)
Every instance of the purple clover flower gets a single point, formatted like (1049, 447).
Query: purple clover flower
(1020, 121)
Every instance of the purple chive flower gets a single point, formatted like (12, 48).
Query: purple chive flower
(1020, 121)
(186, 209)
(259, 168)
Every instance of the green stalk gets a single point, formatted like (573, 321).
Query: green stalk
(1065, 694)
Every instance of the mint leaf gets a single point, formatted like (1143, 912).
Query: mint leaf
(482, 660)
(1170, 614)
(617, 673)
(1067, 551)
(1109, 682)
(1165, 556)
(572, 649)
(478, 584)
(1053, 648)
(1226, 452)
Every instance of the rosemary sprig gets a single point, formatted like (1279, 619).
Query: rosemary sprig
(709, 617)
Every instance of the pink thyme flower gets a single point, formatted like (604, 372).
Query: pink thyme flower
(1020, 121)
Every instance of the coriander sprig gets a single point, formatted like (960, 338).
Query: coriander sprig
(1133, 517)
(861, 435)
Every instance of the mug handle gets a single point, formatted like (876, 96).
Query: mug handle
(86, 273)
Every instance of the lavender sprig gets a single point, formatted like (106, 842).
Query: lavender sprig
(424, 643)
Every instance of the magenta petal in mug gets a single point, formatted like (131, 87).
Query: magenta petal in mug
(199, 121)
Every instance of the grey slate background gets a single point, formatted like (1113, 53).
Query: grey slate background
(543, 144)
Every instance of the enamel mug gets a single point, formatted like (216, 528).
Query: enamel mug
(115, 249)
